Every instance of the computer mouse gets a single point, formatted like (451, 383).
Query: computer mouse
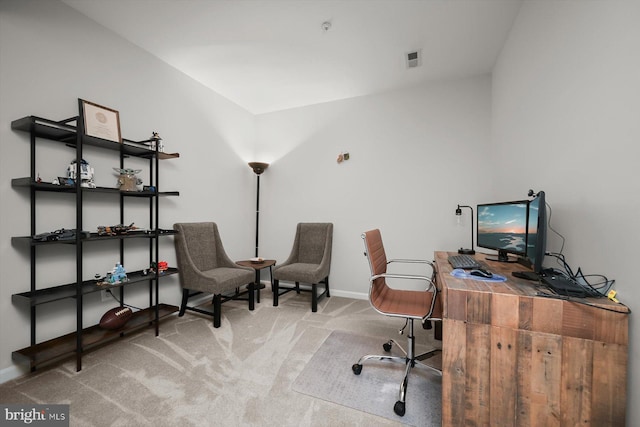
(481, 273)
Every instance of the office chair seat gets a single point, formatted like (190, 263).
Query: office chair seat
(402, 303)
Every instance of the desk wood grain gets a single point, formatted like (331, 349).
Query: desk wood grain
(512, 358)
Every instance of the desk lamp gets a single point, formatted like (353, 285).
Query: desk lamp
(459, 214)
(258, 168)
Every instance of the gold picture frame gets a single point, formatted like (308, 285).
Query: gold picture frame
(100, 121)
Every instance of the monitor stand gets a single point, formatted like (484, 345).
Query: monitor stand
(527, 275)
(502, 257)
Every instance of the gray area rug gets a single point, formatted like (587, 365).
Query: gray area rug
(328, 376)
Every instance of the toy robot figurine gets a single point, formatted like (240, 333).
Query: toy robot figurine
(86, 173)
(156, 140)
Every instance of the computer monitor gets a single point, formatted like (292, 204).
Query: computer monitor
(537, 232)
(503, 227)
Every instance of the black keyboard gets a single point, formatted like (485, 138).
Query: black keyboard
(463, 261)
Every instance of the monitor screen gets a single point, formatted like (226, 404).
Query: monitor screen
(537, 232)
(503, 227)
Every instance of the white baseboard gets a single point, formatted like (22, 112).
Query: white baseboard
(11, 373)
(348, 294)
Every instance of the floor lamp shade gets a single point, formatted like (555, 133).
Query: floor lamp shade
(258, 167)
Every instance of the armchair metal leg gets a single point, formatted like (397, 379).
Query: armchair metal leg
(314, 298)
(217, 308)
(252, 304)
(183, 305)
(276, 292)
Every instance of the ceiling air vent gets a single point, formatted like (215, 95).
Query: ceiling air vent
(414, 59)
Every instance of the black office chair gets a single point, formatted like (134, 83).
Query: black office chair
(411, 305)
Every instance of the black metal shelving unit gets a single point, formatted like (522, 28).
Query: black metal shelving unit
(86, 338)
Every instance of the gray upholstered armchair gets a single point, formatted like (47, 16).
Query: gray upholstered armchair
(204, 267)
(309, 262)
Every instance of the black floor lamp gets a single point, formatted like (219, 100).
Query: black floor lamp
(258, 168)
(459, 214)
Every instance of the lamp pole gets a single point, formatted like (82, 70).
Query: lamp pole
(257, 213)
(459, 213)
(258, 168)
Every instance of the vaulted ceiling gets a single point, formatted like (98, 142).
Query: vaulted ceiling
(269, 55)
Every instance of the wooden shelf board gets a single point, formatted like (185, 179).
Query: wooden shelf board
(66, 133)
(27, 182)
(43, 296)
(94, 237)
(65, 346)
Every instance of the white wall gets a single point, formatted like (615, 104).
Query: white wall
(414, 155)
(566, 98)
(52, 55)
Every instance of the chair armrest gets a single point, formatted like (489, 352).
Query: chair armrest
(412, 261)
(431, 285)
(415, 261)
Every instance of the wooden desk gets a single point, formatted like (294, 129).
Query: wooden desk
(511, 358)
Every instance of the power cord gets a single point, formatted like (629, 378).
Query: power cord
(122, 304)
(597, 289)
(551, 228)
(582, 301)
(600, 288)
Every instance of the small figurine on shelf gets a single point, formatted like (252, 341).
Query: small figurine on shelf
(163, 266)
(127, 179)
(156, 140)
(117, 275)
(115, 230)
(86, 173)
(159, 268)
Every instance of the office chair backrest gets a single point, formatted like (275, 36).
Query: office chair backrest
(198, 241)
(377, 263)
(375, 252)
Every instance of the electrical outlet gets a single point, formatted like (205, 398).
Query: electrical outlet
(104, 295)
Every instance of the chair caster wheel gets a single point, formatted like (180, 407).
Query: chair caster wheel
(357, 368)
(398, 408)
(387, 347)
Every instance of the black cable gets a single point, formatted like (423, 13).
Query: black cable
(598, 290)
(581, 301)
(552, 229)
(121, 303)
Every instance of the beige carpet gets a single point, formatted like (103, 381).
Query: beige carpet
(194, 375)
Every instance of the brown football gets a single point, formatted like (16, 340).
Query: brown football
(116, 318)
